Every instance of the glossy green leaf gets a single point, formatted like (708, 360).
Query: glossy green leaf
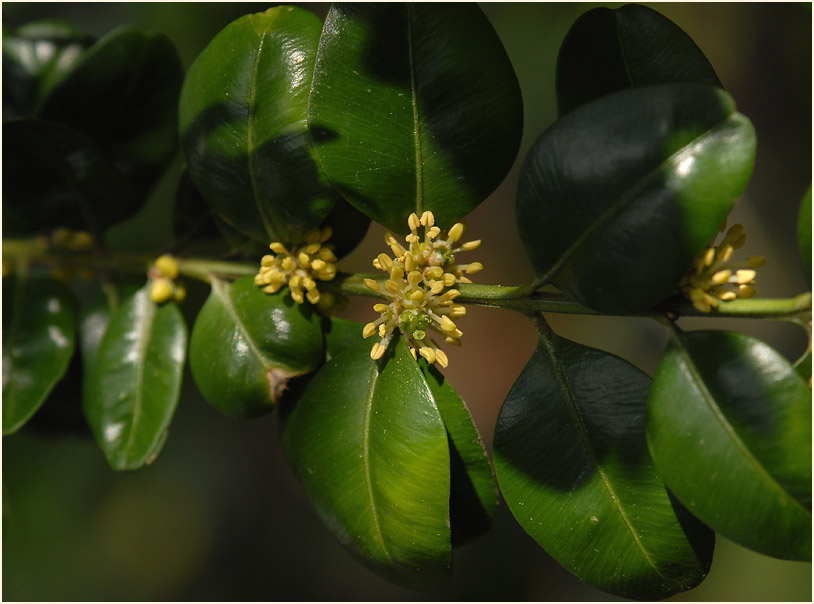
(473, 497)
(132, 393)
(616, 199)
(340, 335)
(93, 321)
(246, 344)
(729, 427)
(35, 56)
(55, 176)
(804, 233)
(369, 444)
(414, 107)
(38, 342)
(242, 117)
(803, 365)
(572, 463)
(607, 50)
(123, 93)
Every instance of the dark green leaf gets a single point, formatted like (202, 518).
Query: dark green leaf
(730, 431)
(572, 462)
(340, 335)
(191, 218)
(246, 344)
(35, 56)
(132, 393)
(38, 342)
(243, 126)
(348, 226)
(473, 496)
(123, 93)
(804, 233)
(369, 444)
(616, 199)
(54, 176)
(614, 49)
(414, 107)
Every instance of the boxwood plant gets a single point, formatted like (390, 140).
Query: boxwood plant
(295, 135)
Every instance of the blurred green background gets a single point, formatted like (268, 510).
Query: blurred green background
(220, 515)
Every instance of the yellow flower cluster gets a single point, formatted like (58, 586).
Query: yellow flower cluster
(713, 278)
(420, 289)
(299, 267)
(163, 285)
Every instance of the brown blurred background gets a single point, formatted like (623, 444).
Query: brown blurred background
(220, 516)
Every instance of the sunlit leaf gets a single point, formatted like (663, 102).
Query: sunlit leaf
(414, 107)
(369, 444)
(729, 427)
(243, 125)
(246, 345)
(473, 499)
(616, 199)
(572, 463)
(133, 391)
(38, 342)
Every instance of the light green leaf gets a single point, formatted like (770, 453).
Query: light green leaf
(729, 427)
(414, 107)
(132, 393)
(572, 462)
(242, 117)
(474, 497)
(246, 345)
(38, 342)
(369, 444)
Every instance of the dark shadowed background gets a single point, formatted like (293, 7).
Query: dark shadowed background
(220, 515)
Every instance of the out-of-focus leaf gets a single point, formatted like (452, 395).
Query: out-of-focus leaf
(617, 198)
(804, 233)
(246, 344)
(243, 126)
(39, 326)
(614, 49)
(123, 93)
(369, 444)
(414, 107)
(729, 427)
(473, 496)
(55, 176)
(35, 56)
(572, 463)
(133, 390)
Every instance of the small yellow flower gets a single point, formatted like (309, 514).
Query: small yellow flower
(420, 288)
(714, 278)
(299, 268)
(163, 286)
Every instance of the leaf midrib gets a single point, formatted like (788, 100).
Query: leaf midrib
(626, 199)
(219, 288)
(251, 119)
(417, 147)
(583, 434)
(729, 430)
(143, 343)
(374, 510)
